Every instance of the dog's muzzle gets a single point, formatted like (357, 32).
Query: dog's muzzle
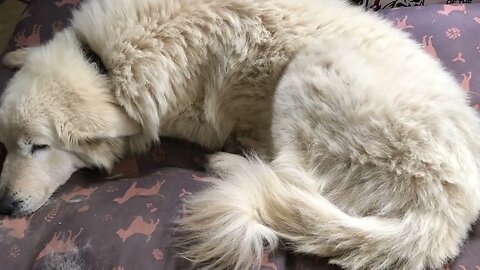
(8, 205)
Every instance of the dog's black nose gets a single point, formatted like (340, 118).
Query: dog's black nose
(8, 205)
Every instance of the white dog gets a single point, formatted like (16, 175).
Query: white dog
(362, 159)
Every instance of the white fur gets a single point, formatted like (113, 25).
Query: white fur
(361, 158)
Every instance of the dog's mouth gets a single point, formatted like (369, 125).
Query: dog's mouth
(22, 212)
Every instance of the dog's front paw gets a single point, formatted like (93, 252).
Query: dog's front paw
(224, 163)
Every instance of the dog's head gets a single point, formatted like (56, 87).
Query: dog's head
(56, 115)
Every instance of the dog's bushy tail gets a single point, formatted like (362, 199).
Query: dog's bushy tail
(222, 228)
(241, 217)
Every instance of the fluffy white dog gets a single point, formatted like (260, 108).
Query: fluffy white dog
(361, 158)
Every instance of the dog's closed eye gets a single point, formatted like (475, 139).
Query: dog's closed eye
(39, 147)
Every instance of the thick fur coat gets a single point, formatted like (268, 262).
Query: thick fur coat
(357, 157)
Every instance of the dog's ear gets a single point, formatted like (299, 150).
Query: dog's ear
(16, 58)
(95, 123)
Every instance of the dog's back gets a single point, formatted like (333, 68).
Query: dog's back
(202, 59)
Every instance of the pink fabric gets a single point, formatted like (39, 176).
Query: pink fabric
(449, 33)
